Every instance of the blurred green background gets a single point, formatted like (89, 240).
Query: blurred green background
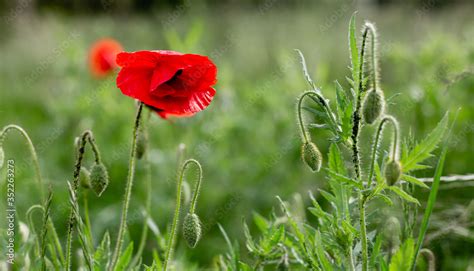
(247, 140)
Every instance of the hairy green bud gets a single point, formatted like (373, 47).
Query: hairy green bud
(85, 178)
(391, 233)
(393, 171)
(192, 229)
(2, 156)
(99, 178)
(311, 156)
(373, 106)
(142, 143)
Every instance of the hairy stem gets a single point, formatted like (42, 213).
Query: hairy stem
(144, 235)
(376, 143)
(174, 226)
(77, 169)
(363, 232)
(128, 189)
(34, 156)
(355, 152)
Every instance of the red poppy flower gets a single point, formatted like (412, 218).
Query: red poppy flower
(102, 56)
(172, 83)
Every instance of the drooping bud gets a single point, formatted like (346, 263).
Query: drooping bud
(373, 106)
(393, 171)
(142, 143)
(2, 156)
(311, 156)
(99, 178)
(85, 178)
(192, 229)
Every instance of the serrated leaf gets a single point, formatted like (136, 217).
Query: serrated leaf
(404, 195)
(125, 258)
(344, 179)
(277, 236)
(423, 150)
(102, 254)
(305, 70)
(414, 180)
(403, 257)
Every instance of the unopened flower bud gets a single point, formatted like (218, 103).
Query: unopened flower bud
(393, 171)
(391, 233)
(192, 229)
(85, 178)
(373, 106)
(311, 156)
(99, 178)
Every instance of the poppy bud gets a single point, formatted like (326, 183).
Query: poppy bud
(2, 156)
(192, 229)
(142, 142)
(99, 178)
(373, 106)
(85, 178)
(311, 156)
(393, 171)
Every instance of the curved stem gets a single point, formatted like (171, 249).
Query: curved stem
(373, 33)
(128, 189)
(430, 257)
(376, 143)
(299, 113)
(34, 156)
(86, 136)
(174, 226)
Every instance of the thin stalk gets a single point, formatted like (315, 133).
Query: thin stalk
(350, 258)
(34, 156)
(128, 189)
(376, 144)
(46, 216)
(85, 137)
(174, 226)
(299, 111)
(355, 154)
(363, 232)
(144, 235)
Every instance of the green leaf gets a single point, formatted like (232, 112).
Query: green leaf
(320, 252)
(423, 150)
(432, 196)
(344, 179)
(305, 70)
(277, 236)
(125, 258)
(414, 180)
(403, 257)
(260, 221)
(102, 254)
(404, 195)
(354, 50)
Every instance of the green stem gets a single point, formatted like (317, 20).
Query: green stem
(144, 235)
(355, 152)
(128, 189)
(375, 74)
(376, 143)
(299, 112)
(34, 156)
(174, 226)
(77, 169)
(350, 258)
(363, 233)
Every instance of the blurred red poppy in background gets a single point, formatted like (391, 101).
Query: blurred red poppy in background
(102, 56)
(172, 83)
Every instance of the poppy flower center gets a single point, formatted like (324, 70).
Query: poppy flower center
(174, 81)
